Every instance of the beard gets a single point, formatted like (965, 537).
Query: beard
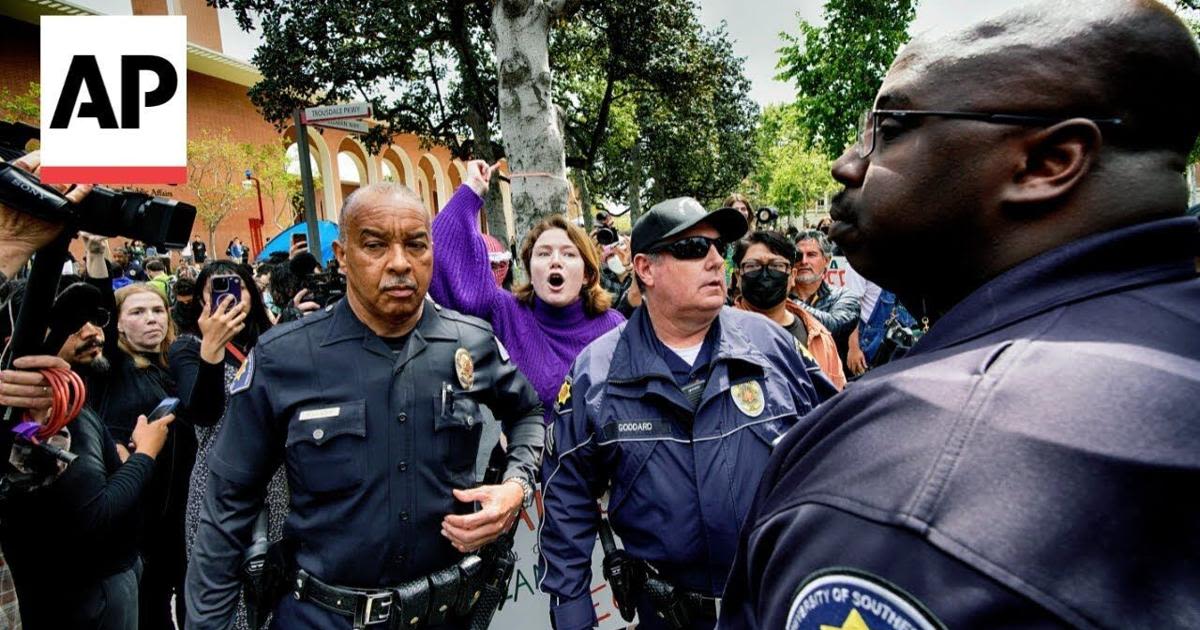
(807, 278)
(96, 367)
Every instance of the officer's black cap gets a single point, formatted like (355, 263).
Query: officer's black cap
(672, 217)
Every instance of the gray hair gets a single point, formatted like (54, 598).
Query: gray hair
(821, 240)
(358, 198)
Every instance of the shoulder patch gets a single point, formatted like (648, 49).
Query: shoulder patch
(244, 376)
(548, 447)
(563, 403)
(848, 599)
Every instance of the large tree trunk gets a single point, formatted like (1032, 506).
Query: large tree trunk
(529, 122)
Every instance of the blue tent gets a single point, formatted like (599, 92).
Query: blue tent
(283, 241)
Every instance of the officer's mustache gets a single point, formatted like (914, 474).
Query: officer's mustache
(398, 283)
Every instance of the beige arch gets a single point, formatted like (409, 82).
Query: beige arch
(459, 172)
(439, 173)
(405, 164)
(370, 165)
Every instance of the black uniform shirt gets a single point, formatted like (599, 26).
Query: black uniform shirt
(373, 443)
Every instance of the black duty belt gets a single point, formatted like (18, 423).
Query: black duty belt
(428, 601)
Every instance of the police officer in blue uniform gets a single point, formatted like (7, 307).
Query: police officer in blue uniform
(1027, 464)
(674, 413)
(373, 405)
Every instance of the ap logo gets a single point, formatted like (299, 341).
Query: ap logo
(114, 99)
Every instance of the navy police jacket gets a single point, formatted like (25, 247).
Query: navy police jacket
(373, 438)
(1032, 463)
(680, 481)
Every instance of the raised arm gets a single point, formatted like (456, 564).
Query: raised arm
(462, 278)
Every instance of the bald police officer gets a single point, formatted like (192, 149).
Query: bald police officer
(1025, 465)
(675, 412)
(373, 405)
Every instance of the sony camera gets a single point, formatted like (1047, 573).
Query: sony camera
(325, 288)
(153, 220)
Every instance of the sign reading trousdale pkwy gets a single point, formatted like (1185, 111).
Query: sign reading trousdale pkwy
(344, 111)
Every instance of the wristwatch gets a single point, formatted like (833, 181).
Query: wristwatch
(526, 490)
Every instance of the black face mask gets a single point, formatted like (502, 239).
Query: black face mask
(765, 288)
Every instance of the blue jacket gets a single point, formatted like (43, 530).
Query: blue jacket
(677, 496)
(1032, 463)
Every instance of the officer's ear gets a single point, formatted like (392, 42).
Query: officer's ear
(339, 252)
(643, 266)
(1050, 163)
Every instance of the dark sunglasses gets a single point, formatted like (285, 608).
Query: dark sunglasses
(690, 248)
(100, 318)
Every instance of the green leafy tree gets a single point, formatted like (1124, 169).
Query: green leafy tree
(551, 74)
(789, 175)
(24, 107)
(216, 166)
(837, 68)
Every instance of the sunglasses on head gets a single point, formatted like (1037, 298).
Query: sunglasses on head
(690, 248)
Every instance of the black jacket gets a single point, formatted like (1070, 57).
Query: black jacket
(63, 538)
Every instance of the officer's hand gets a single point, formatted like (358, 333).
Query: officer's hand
(149, 437)
(479, 175)
(27, 388)
(499, 505)
(22, 229)
(122, 453)
(219, 327)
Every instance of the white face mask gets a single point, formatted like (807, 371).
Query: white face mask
(614, 265)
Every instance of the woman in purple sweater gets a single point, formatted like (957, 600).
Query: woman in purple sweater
(547, 322)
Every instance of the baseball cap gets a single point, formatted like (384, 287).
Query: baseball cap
(672, 217)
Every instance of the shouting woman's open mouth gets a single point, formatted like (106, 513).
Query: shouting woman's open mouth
(556, 280)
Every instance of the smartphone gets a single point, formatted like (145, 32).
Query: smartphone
(299, 237)
(225, 285)
(164, 408)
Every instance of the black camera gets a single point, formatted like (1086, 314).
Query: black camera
(766, 214)
(153, 220)
(606, 236)
(325, 288)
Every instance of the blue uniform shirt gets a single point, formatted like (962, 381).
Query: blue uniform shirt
(680, 482)
(1032, 463)
(373, 442)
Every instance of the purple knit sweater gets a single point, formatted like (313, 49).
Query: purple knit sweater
(542, 340)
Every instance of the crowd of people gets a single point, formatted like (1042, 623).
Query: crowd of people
(296, 442)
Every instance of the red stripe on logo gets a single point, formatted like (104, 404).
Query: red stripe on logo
(114, 174)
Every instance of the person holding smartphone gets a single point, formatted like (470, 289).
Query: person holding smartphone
(205, 367)
(137, 338)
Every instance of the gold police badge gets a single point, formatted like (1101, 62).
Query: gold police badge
(563, 402)
(748, 397)
(464, 367)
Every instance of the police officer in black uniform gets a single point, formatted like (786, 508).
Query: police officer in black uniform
(1024, 465)
(373, 405)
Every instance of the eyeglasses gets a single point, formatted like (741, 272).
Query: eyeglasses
(868, 127)
(690, 248)
(100, 318)
(753, 266)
